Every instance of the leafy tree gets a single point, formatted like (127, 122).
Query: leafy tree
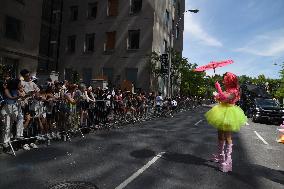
(280, 91)
(154, 69)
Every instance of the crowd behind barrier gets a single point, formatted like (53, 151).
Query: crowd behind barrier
(60, 110)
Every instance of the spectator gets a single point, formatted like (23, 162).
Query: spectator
(11, 111)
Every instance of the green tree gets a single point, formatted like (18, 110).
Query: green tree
(280, 91)
(154, 69)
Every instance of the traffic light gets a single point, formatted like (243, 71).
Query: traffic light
(164, 64)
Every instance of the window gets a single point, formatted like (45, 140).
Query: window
(110, 41)
(89, 42)
(13, 28)
(44, 40)
(71, 43)
(135, 6)
(68, 74)
(92, 10)
(133, 39)
(165, 46)
(177, 32)
(56, 16)
(131, 74)
(108, 72)
(112, 8)
(178, 10)
(87, 75)
(74, 13)
(42, 65)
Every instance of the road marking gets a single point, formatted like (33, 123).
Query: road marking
(198, 122)
(140, 171)
(260, 138)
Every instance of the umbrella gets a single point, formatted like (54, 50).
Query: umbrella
(213, 65)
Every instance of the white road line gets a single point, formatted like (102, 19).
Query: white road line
(140, 171)
(260, 138)
(198, 122)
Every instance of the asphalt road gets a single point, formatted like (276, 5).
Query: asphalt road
(158, 154)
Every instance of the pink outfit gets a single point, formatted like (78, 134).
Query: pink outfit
(230, 96)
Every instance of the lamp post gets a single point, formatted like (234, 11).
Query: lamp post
(170, 56)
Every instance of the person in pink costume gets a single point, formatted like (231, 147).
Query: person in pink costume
(226, 117)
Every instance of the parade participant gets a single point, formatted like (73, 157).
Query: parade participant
(227, 118)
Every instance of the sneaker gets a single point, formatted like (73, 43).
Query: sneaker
(26, 147)
(33, 145)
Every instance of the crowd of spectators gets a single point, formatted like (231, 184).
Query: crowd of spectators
(31, 113)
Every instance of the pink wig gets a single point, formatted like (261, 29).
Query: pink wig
(231, 81)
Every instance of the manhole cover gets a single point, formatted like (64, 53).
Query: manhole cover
(74, 185)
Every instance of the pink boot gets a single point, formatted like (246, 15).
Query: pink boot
(220, 156)
(226, 166)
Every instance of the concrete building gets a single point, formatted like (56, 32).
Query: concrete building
(20, 23)
(112, 38)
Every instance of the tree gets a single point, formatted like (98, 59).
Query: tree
(280, 91)
(153, 61)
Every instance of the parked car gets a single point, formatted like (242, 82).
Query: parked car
(267, 109)
(258, 104)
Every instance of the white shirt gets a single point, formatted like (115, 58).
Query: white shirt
(159, 100)
(30, 86)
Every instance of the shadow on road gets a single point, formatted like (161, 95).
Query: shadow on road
(142, 154)
(258, 171)
(187, 159)
(40, 155)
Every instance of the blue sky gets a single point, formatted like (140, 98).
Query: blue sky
(250, 32)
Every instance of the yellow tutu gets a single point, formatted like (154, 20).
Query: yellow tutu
(226, 117)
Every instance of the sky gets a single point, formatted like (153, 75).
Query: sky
(250, 32)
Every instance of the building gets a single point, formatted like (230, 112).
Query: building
(111, 38)
(20, 23)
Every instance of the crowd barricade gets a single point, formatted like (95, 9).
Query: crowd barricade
(58, 120)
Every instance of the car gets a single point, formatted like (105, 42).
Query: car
(266, 109)
(259, 105)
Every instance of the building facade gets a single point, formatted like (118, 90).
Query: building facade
(112, 39)
(20, 23)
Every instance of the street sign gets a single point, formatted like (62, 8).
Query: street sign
(164, 63)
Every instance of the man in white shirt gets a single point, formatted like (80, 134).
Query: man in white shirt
(30, 88)
(27, 83)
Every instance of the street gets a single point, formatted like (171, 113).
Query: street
(165, 153)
